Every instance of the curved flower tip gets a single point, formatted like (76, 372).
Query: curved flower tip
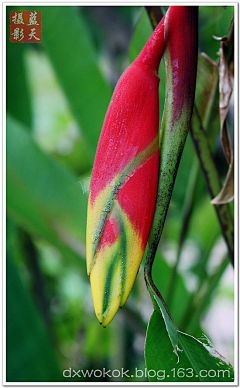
(124, 183)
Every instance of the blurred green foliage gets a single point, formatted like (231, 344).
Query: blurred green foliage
(57, 95)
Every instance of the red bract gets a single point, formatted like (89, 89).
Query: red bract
(124, 181)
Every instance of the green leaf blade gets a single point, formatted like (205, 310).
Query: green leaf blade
(205, 360)
(30, 353)
(195, 361)
(49, 201)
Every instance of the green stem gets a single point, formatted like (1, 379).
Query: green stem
(152, 289)
(155, 15)
(212, 177)
(207, 123)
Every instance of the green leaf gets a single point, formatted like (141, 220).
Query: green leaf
(195, 361)
(213, 20)
(30, 353)
(43, 196)
(206, 89)
(66, 41)
(161, 307)
(142, 33)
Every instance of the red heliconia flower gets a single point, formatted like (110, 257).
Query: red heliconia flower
(123, 188)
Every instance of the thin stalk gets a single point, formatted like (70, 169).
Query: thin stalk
(187, 212)
(158, 301)
(155, 15)
(207, 124)
(223, 211)
(212, 178)
(152, 289)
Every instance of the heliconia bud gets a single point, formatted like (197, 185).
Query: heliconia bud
(124, 182)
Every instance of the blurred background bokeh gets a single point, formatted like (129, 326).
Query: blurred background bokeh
(57, 95)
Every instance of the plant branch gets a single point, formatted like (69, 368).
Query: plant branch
(212, 177)
(155, 15)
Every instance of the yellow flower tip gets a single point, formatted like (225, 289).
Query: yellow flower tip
(112, 267)
(112, 277)
(106, 302)
(106, 317)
